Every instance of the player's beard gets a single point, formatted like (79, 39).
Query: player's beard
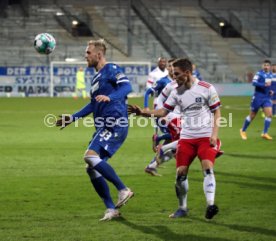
(92, 63)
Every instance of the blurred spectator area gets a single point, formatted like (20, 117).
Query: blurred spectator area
(187, 28)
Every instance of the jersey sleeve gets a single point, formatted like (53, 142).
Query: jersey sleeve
(120, 79)
(150, 81)
(213, 99)
(256, 82)
(147, 94)
(170, 102)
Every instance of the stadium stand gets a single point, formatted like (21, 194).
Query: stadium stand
(218, 59)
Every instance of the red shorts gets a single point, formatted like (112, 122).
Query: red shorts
(188, 149)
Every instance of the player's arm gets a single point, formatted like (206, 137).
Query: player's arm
(150, 81)
(135, 109)
(256, 81)
(66, 120)
(147, 94)
(123, 88)
(214, 135)
(214, 105)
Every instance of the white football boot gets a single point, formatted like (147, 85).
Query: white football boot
(110, 214)
(123, 197)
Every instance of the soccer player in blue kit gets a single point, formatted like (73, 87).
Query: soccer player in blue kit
(109, 90)
(260, 99)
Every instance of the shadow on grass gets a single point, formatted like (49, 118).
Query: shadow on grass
(164, 233)
(252, 177)
(243, 184)
(250, 156)
(243, 228)
(255, 178)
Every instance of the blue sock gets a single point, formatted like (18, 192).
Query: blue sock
(274, 109)
(246, 123)
(266, 124)
(109, 174)
(101, 188)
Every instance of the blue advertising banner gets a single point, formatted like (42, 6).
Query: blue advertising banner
(35, 80)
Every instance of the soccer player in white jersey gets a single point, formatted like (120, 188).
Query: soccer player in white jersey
(200, 106)
(157, 73)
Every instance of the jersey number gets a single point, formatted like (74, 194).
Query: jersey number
(106, 134)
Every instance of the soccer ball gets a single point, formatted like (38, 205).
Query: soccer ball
(44, 43)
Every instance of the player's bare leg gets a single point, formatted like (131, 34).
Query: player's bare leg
(181, 189)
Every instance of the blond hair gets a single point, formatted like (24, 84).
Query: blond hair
(99, 44)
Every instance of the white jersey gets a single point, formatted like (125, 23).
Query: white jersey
(163, 96)
(196, 106)
(154, 75)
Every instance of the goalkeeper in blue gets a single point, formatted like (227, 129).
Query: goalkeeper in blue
(109, 90)
(260, 99)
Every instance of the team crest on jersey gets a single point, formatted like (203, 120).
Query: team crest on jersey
(198, 100)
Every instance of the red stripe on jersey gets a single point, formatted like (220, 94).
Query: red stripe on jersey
(213, 107)
(164, 95)
(168, 107)
(204, 84)
(149, 81)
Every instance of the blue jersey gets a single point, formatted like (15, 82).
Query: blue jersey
(157, 89)
(110, 118)
(259, 80)
(196, 74)
(261, 97)
(273, 86)
(109, 81)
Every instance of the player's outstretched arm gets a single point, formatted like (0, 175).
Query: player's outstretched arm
(135, 109)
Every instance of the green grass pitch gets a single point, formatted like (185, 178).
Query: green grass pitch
(45, 193)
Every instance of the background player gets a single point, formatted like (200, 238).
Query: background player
(80, 84)
(261, 99)
(157, 73)
(156, 89)
(109, 90)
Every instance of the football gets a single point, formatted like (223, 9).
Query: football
(44, 43)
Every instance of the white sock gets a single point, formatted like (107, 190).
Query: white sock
(209, 187)
(182, 187)
(153, 164)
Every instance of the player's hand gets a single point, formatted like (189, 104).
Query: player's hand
(64, 121)
(213, 141)
(268, 83)
(102, 98)
(271, 92)
(134, 109)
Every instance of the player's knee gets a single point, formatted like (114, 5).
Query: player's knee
(182, 171)
(93, 174)
(207, 164)
(208, 171)
(92, 160)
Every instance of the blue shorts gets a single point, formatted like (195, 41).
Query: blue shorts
(260, 102)
(107, 140)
